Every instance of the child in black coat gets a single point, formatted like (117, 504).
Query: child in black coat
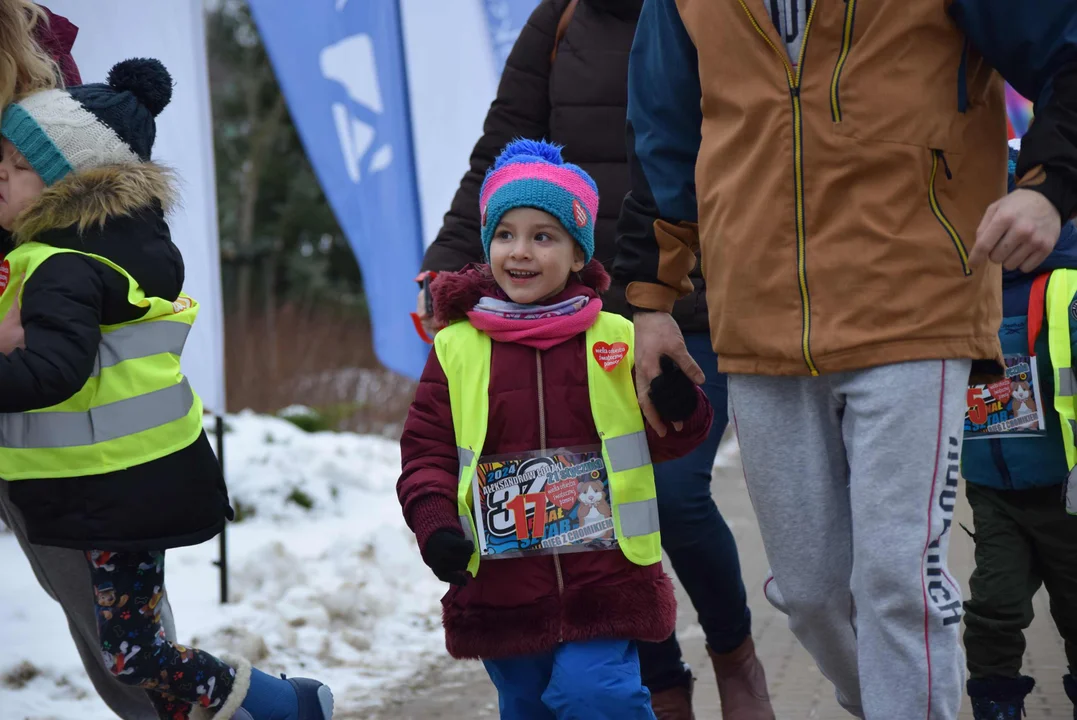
(101, 435)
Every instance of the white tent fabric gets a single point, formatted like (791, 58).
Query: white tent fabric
(173, 32)
(451, 83)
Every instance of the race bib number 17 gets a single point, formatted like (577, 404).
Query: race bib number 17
(538, 503)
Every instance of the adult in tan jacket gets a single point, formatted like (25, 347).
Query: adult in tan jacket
(842, 166)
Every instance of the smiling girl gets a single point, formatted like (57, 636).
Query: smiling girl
(530, 367)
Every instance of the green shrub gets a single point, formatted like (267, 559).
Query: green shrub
(300, 498)
(242, 510)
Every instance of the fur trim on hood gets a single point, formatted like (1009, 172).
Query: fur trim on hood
(93, 196)
(456, 293)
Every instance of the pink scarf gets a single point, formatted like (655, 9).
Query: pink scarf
(541, 333)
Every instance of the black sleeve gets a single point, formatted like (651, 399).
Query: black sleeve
(1033, 45)
(61, 316)
(1051, 144)
(520, 110)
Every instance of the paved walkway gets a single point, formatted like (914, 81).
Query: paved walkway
(461, 689)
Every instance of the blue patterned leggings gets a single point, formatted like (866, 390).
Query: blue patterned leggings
(127, 587)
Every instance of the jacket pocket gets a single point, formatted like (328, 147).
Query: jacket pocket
(895, 73)
(843, 56)
(938, 161)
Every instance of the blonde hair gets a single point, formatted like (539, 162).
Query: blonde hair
(24, 67)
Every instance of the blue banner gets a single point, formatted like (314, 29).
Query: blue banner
(504, 20)
(341, 67)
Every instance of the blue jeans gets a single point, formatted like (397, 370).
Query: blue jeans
(700, 546)
(593, 680)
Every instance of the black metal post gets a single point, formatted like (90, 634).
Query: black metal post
(222, 561)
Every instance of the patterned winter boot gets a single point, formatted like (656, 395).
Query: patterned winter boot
(282, 698)
(257, 696)
(999, 698)
(1070, 683)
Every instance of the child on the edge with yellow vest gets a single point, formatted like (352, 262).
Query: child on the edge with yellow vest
(1017, 488)
(101, 437)
(526, 462)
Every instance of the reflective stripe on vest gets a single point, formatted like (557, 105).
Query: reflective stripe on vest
(1061, 295)
(99, 424)
(464, 354)
(135, 407)
(131, 342)
(1065, 386)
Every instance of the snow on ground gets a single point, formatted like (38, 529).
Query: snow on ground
(325, 579)
(335, 591)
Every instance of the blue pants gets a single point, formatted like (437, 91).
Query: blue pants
(593, 680)
(700, 546)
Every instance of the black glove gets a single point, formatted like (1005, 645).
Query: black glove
(673, 394)
(447, 553)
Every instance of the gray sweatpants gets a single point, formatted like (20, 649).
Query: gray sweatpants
(854, 479)
(65, 575)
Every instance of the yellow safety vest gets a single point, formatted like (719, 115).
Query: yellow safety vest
(464, 354)
(1061, 288)
(136, 406)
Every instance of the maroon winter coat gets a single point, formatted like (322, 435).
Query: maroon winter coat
(57, 38)
(527, 605)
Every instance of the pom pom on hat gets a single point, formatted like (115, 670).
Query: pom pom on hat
(85, 126)
(145, 78)
(529, 150)
(532, 173)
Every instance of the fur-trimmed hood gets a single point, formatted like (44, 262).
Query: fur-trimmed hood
(117, 212)
(456, 293)
(92, 197)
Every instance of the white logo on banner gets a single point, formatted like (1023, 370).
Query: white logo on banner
(351, 63)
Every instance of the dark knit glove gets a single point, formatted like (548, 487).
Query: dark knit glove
(673, 394)
(447, 553)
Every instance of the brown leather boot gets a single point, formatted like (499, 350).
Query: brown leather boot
(674, 703)
(742, 684)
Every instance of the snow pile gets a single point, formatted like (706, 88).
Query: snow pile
(325, 579)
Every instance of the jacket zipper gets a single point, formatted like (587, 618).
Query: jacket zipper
(542, 444)
(798, 172)
(937, 156)
(846, 44)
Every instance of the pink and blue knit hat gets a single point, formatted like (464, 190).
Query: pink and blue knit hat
(531, 173)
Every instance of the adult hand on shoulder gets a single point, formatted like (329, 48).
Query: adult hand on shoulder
(657, 334)
(1018, 231)
(11, 332)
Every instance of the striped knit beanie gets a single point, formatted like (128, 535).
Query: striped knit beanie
(531, 173)
(86, 126)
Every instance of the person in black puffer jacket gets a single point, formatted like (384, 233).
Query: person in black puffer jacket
(101, 438)
(566, 81)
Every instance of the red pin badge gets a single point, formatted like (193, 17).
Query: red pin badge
(609, 356)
